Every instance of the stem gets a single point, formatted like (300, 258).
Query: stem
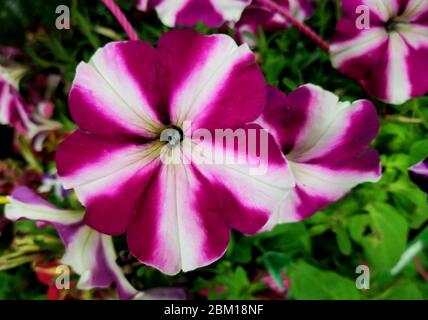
(403, 119)
(121, 18)
(299, 25)
(420, 268)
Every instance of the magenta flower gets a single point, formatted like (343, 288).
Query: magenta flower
(419, 174)
(258, 15)
(131, 103)
(13, 109)
(387, 53)
(213, 13)
(32, 122)
(90, 253)
(39, 124)
(326, 143)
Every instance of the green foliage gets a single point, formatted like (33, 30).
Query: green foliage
(276, 264)
(382, 233)
(402, 291)
(229, 283)
(310, 283)
(20, 284)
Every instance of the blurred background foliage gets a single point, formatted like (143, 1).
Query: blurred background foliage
(315, 259)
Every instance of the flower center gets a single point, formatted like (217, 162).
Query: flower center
(391, 25)
(173, 136)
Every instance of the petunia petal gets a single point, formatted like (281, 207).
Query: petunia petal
(260, 178)
(108, 177)
(318, 186)
(415, 38)
(186, 219)
(326, 144)
(115, 94)
(212, 13)
(416, 11)
(388, 56)
(92, 255)
(89, 253)
(13, 110)
(384, 8)
(25, 203)
(145, 5)
(363, 44)
(210, 80)
(419, 174)
(258, 15)
(189, 209)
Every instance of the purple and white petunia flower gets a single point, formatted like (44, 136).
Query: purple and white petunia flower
(326, 143)
(213, 13)
(90, 253)
(52, 183)
(258, 15)
(419, 174)
(386, 50)
(177, 215)
(13, 109)
(32, 122)
(39, 125)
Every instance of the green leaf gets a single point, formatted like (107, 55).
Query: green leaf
(418, 151)
(85, 27)
(241, 277)
(275, 263)
(413, 205)
(290, 238)
(310, 283)
(342, 239)
(402, 291)
(382, 233)
(239, 250)
(290, 84)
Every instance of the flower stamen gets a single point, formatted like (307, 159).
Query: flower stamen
(173, 136)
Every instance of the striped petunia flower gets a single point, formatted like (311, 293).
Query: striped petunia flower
(419, 174)
(90, 253)
(257, 15)
(213, 13)
(32, 122)
(13, 109)
(383, 44)
(39, 124)
(326, 143)
(131, 162)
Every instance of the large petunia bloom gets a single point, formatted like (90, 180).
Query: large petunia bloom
(213, 13)
(419, 174)
(258, 15)
(131, 103)
(389, 55)
(90, 253)
(326, 143)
